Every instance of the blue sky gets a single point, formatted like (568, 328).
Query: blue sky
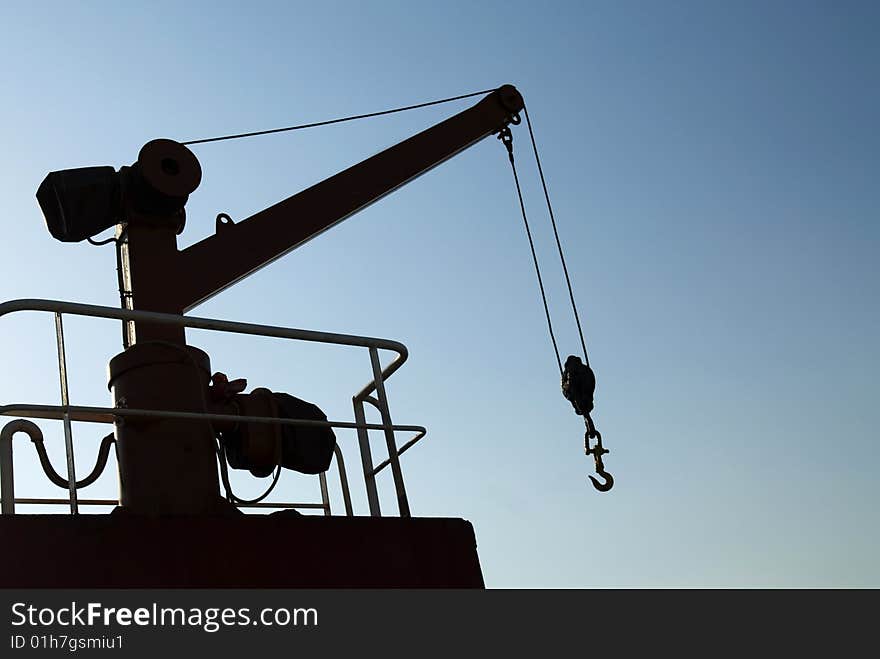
(713, 168)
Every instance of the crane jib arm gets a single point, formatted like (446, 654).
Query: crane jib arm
(238, 250)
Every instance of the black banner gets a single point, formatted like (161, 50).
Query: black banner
(242, 623)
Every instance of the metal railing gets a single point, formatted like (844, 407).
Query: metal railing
(69, 414)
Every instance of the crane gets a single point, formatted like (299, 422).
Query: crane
(168, 469)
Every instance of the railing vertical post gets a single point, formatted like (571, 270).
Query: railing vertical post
(366, 458)
(7, 481)
(343, 480)
(402, 503)
(65, 401)
(325, 495)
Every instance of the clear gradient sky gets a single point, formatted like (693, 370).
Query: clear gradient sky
(714, 170)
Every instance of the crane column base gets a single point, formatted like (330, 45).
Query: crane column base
(166, 466)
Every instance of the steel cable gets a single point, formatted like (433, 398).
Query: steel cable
(337, 121)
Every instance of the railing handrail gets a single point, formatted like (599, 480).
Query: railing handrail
(91, 414)
(197, 322)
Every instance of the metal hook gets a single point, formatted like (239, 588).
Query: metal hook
(607, 485)
(597, 452)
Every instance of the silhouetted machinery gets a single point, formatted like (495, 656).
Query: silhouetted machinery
(168, 469)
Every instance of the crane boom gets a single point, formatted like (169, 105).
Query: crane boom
(238, 250)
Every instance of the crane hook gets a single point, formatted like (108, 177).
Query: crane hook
(607, 485)
(597, 452)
